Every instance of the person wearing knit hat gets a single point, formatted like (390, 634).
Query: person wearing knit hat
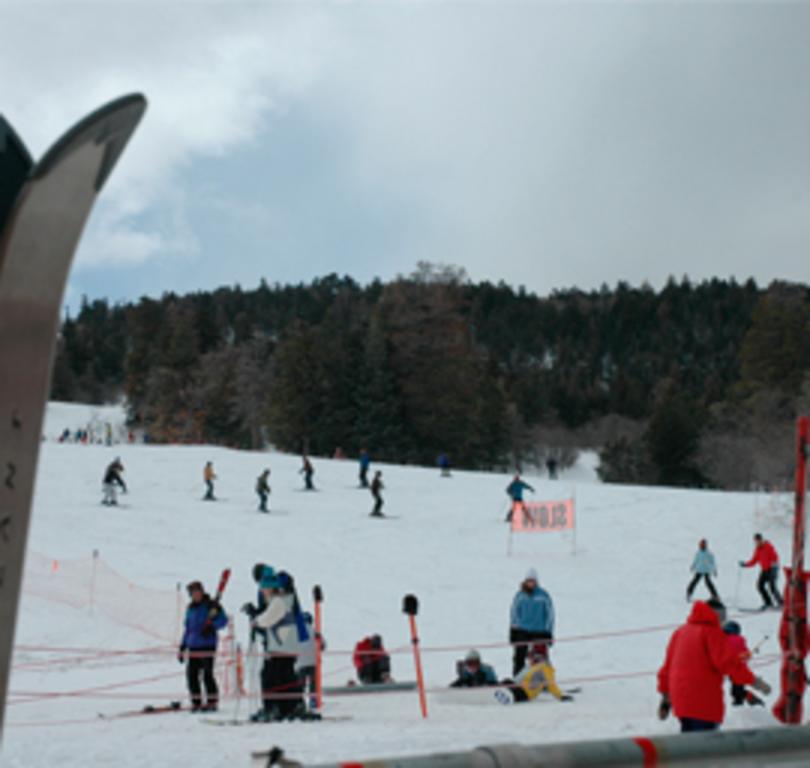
(531, 620)
(473, 673)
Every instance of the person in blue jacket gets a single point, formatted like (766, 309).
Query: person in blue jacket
(365, 463)
(704, 567)
(473, 673)
(515, 491)
(531, 621)
(198, 648)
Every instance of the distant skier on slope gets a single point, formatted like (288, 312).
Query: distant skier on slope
(531, 621)
(208, 477)
(698, 657)
(263, 489)
(204, 617)
(443, 462)
(307, 470)
(112, 478)
(473, 673)
(365, 462)
(704, 567)
(376, 492)
(765, 555)
(515, 492)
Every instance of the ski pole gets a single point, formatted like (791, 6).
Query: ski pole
(410, 606)
(759, 645)
(317, 595)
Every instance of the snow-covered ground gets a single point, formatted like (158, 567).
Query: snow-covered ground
(445, 542)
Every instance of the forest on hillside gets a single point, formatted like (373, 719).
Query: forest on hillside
(695, 384)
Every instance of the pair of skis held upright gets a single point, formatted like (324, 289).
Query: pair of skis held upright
(43, 210)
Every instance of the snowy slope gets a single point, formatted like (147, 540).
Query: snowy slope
(446, 543)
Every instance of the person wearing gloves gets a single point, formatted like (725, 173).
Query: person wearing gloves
(531, 620)
(697, 659)
(198, 648)
(286, 634)
(704, 567)
(767, 559)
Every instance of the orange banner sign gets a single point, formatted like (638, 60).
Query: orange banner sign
(542, 516)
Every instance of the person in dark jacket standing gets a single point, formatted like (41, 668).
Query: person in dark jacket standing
(112, 478)
(198, 648)
(307, 470)
(531, 621)
(263, 489)
(208, 477)
(698, 657)
(365, 462)
(376, 492)
(767, 559)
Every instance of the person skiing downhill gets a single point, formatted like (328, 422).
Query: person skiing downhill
(531, 618)
(443, 462)
(112, 477)
(365, 462)
(515, 492)
(376, 488)
(704, 567)
(263, 489)
(208, 477)
(307, 470)
(765, 555)
(198, 647)
(697, 659)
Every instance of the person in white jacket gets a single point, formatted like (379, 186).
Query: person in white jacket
(704, 567)
(286, 630)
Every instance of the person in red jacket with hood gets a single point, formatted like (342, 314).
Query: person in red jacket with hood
(765, 555)
(698, 658)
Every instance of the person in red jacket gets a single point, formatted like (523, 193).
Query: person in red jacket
(765, 555)
(372, 662)
(698, 658)
(739, 694)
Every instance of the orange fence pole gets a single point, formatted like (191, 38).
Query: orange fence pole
(410, 606)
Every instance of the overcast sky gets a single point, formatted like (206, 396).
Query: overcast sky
(548, 145)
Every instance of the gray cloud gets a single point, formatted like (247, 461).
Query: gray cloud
(546, 144)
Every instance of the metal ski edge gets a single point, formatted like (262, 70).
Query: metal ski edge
(112, 124)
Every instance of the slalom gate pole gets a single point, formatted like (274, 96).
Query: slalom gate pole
(317, 595)
(410, 606)
(793, 629)
(93, 569)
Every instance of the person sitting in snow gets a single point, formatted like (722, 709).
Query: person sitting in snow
(371, 660)
(539, 676)
(473, 673)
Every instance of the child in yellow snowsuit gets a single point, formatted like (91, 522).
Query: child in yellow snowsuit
(533, 680)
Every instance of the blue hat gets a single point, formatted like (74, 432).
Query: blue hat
(268, 580)
(732, 628)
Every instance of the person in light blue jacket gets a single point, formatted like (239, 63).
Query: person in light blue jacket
(531, 620)
(704, 567)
